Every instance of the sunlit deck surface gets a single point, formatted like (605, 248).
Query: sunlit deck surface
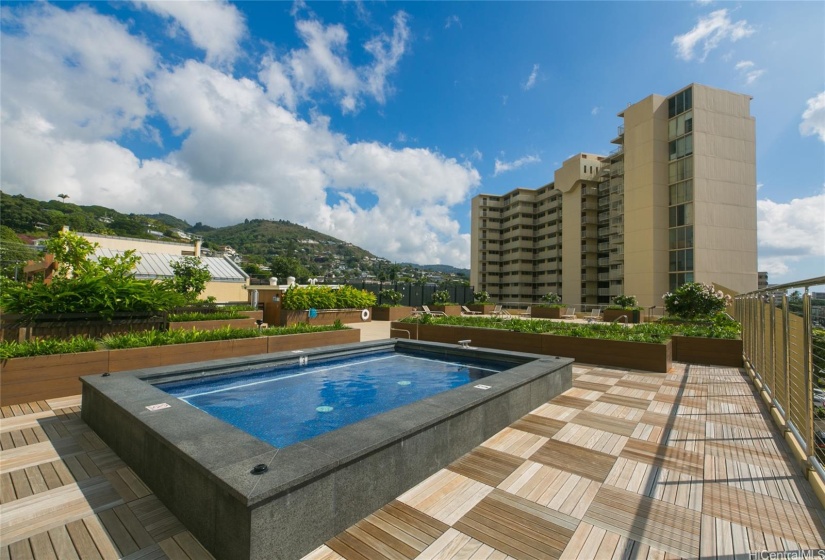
(625, 464)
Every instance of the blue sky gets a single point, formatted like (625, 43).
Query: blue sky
(377, 123)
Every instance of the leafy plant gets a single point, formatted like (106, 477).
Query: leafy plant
(550, 299)
(325, 297)
(190, 277)
(390, 298)
(441, 297)
(481, 297)
(41, 347)
(200, 316)
(625, 302)
(695, 299)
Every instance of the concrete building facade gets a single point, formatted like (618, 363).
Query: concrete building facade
(674, 202)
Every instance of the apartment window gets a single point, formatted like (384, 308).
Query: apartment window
(679, 103)
(681, 147)
(680, 170)
(681, 193)
(681, 215)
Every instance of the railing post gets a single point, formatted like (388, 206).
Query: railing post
(786, 355)
(807, 372)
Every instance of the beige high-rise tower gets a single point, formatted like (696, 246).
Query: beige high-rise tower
(675, 202)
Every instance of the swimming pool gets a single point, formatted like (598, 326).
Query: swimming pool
(245, 498)
(289, 403)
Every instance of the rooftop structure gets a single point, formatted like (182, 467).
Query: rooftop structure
(675, 202)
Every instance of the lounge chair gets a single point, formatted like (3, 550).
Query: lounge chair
(433, 313)
(595, 315)
(498, 311)
(466, 311)
(527, 312)
(569, 313)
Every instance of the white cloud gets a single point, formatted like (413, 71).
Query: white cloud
(748, 70)
(813, 119)
(709, 32)
(504, 166)
(451, 21)
(324, 63)
(477, 155)
(77, 73)
(595, 111)
(531, 80)
(789, 232)
(216, 27)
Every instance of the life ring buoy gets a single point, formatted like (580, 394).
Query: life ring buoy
(365, 315)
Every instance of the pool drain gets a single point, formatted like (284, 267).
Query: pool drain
(324, 409)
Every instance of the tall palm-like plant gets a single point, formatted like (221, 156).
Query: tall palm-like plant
(63, 197)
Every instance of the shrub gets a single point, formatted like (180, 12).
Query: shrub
(390, 297)
(41, 347)
(481, 297)
(190, 277)
(695, 300)
(625, 302)
(325, 297)
(441, 297)
(551, 299)
(200, 316)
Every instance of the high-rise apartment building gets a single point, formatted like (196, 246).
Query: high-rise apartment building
(674, 202)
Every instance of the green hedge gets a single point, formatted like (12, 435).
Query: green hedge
(148, 338)
(645, 332)
(324, 297)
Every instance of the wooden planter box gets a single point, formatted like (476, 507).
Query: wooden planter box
(614, 353)
(211, 325)
(610, 315)
(707, 351)
(390, 313)
(546, 312)
(484, 308)
(325, 316)
(451, 310)
(37, 378)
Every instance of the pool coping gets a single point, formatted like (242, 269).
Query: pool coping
(200, 466)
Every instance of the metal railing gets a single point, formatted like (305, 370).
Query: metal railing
(786, 355)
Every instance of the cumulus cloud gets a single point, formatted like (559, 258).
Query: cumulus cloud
(789, 232)
(504, 166)
(216, 27)
(531, 79)
(709, 33)
(244, 151)
(813, 119)
(77, 73)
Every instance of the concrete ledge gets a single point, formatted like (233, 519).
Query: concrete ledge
(200, 467)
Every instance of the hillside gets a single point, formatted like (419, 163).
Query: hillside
(260, 243)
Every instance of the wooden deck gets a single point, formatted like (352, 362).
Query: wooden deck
(623, 465)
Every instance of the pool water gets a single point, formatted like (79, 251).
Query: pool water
(289, 404)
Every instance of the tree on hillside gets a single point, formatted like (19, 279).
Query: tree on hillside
(283, 267)
(14, 254)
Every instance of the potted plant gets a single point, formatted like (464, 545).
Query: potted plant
(549, 308)
(481, 303)
(390, 308)
(441, 302)
(626, 306)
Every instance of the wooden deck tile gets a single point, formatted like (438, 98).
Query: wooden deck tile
(445, 496)
(679, 460)
(518, 527)
(34, 454)
(622, 400)
(660, 525)
(764, 513)
(558, 490)
(605, 423)
(486, 465)
(594, 465)
(571, 402)
(591, 438)
(539, 425)
(515, 442)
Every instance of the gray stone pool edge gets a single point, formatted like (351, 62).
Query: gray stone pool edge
(199, 466)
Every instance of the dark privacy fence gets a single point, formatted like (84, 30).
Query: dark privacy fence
(416, 295)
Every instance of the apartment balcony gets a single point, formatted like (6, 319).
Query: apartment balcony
(604, 217)
(590, 220)
(589, 263)
(590, 247)
(604, 201)
(604, 231)
(590, 190)
(604, 276)
(590, 204)
(604, 246)
(604, 261)
(590, 277)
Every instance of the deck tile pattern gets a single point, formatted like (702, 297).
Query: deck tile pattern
(623, 465)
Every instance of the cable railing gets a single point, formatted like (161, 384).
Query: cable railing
(784, 349)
